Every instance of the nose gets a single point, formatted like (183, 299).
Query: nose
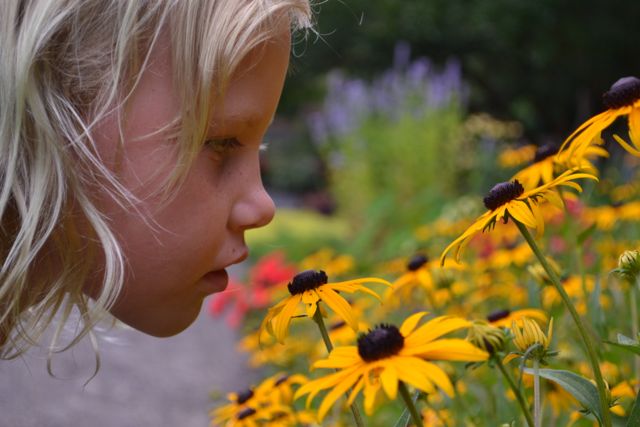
(254, 209)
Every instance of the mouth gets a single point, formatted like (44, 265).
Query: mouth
(217, 280)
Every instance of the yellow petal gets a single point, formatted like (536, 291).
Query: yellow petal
(626, 146)
(520, 211)
(448, 349)
(352, 288)
(362, 280)
(310, 299)
(389, 380)
(538, 217)
(509, 357)
(339, 389)
(411, 370)
(340, 357)
(339, 305)
(435, 328)
(355, 390)
(554, 198)
(411, 322)
(370, 392)
(634, 126)
(473, 229)
(439, 377)
(282, 320)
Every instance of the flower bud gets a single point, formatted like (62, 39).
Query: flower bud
(629, 265)
(485, 336)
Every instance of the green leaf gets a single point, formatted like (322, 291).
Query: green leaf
(579, 387)
(634, 416)
(626, 343)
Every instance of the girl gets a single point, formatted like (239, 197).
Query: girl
(129, 142)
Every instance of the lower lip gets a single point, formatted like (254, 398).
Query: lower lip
(216, 281)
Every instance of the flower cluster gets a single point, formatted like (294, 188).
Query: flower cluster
(366, 329)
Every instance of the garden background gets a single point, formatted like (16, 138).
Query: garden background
(394, 116)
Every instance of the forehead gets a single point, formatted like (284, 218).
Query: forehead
(254, 88)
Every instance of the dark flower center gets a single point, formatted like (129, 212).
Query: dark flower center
(623, 92)
(383, 341)
(498, 314)
(417, 261)
(503, 193)
(246, 412)
(307, 280)
(244, 395)
(544, 151)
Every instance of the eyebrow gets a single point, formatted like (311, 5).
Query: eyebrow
(248, 121)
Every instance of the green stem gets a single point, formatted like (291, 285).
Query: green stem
(586, 339)
(537, 409)
(521, 401)
(634, 322)
(415, 415)
(317, 317)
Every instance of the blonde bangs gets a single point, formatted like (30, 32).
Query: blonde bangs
(209, 40)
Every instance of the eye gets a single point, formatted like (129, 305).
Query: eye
(222, 145)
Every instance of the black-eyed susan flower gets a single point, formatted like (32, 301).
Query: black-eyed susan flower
(387, 355)
(267, 404)
(509, 199)
(547, 163)
(417, 274)
(623, 99)
(248, 408)
(308, 288)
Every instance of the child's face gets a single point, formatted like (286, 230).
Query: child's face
(176, 253)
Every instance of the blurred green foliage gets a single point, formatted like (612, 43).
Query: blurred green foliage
(544, 63)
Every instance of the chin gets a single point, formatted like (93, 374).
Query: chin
(161, 325)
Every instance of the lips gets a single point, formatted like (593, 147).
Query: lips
(244, 255)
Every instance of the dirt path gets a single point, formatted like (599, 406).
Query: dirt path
(143, 381)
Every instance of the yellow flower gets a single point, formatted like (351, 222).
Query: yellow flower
(386, 355)
(623, 99)
(510, 199)
(513, 157)
(547, 162)
(267, 404)
(310, 287)
(418, 273)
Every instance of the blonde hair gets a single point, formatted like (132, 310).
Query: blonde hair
(66, 65)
